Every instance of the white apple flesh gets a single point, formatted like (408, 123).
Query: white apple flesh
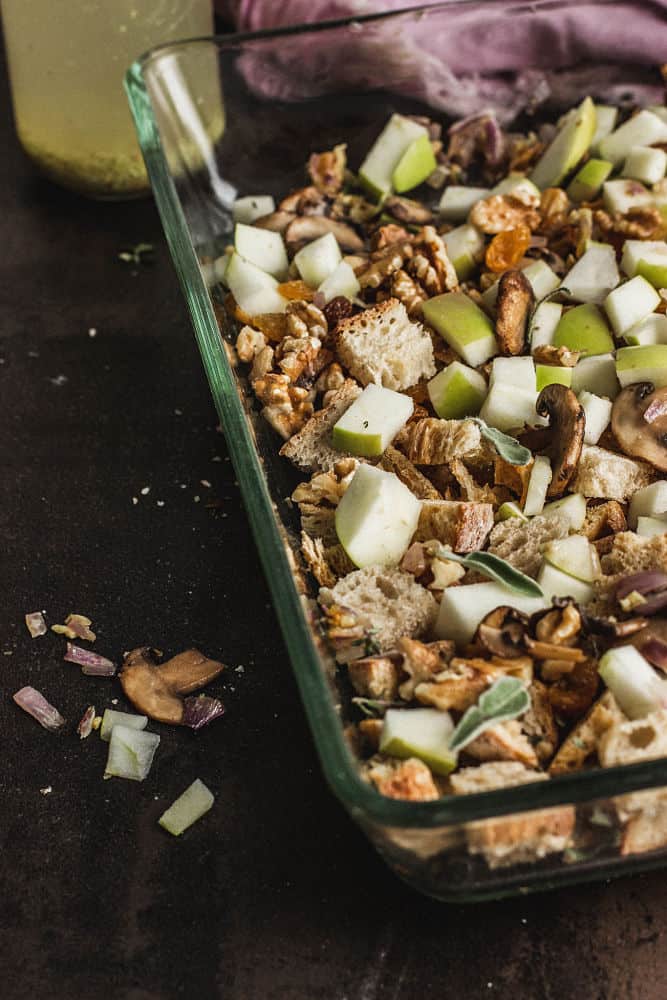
(596, 374)
(317, 260)
(341, 282)
(643, 129)
(457, 391)
(517, 373)
(649, 527)
(419, 732)
(630, 303)
(593, 276)
(567, 148)
(642, 364)
(574, 556)
(555, 583)
(508, 408)
(543, 326)
(651, 330)
(457, 201)
(605, 122)
(372, 422)
(251, 207)
(569, 510)
(634, 683)
(645, 164)
(597, 414)
(464, 326)
(650, 501)
(465, 247)
(262, 247)
(254, 290)
(623, 195)
(538, 484)
(462, 608)
(385, 154)
(376, 518)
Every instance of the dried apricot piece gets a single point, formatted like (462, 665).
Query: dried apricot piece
(507, 248)
(296, 290)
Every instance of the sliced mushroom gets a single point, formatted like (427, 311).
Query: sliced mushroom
(513, 308)
(156, 689)
(503, 632)
(306, 228)
(306, 201)
(567, 424)
(277, 222)
(639, 423)
(409, 211)
(651, 641)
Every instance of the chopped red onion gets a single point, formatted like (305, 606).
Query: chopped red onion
(495, 141)
(35, 704)
(200, 710)
(655, 651)
(319, 300)
(36, 624)
(644, 583)
(76, 627)
(90, 663)
(85, 726)
(654, 603)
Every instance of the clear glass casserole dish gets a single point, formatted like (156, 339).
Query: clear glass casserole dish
(286, 94)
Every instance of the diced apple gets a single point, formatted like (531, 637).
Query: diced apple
(645, 164)
(550, 374)
(317, 260)
(508, 408)
(376, 518)
(567, 148)
(342, 281)
(465, 247)
(647, 258)
(519, 373)
(262, 247)
(215, 271)
(510, 509)
(463, 325)
(584, 329)
(416, 164)
(555, 583)
(457, 391)
(372, 421)
(650, 501)
(457, 201)
(587, 182)
(596, 374)
(419, 732)
(574, 556)
(652, 330)
(538, 484)
(254, 290)
(542, 280)
(593, 276)
(597, 412)
(516, 183)
(637, 687)
(605, 122)
(462, 608)
(643, 129)
(649, 527)
(623, 195)
(660, 110)
(642, 364)
(251, 207)
(543, 326)
(629, 303)
(569, 510)
(385, 154)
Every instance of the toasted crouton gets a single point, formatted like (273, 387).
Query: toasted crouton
(383, 345)
(504, 741)
(645, 818)
(582, 742)
(628, 742)
(463, 526)
(521, 542)
(395, 461)
(319, 522)
(432, 441)
(406, 779)
(369, 732)
(311, 448)
(604, 474)
(374, 677)
(604, 519)
(454, 688)
(631, 553)
(488, 777)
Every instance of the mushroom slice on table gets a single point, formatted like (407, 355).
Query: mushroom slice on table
(567, 424)
(639, 423)
(157, 689)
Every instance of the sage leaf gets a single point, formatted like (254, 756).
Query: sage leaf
(496, 569)
(506, 699)
(507, 447)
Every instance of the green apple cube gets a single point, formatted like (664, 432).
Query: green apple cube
(254, 290)
(555, 583)
(372, 421)
(575, 556)
(651, 330)
(567, 148)
(630, 303)
(215, 271)
(549, 374)
(457, 391)
(419, 732)
(195, 801)
(113, 718)
(131, 753)
(252, 207)
(584, 329)
(465, 247)
(510, 509)
(462, 608)
(650, 501)
(341, 282)
(605, 121)
(654, 271)
(569, 510)
(507, 408)
(544, 322)
(542, 280)
(457, 201)
(518, 373)
(417, 163)
(384, 156)
(642, 364)
(316, 261)
(594, 275)
(623, 195)
(262, 247)
(647, 258)
(376, 518)
(637, 686)
(597, 412)
(516, 183)
(643, 129)
(658, 109)
(649, 527)
(645, 164)
(538, 484)
(587, 182)
(463, 325)
(596, 374)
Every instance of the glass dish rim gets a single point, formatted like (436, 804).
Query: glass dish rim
(363, 801)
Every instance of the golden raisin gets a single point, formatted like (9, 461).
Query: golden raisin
(296, 290)
(506, 249)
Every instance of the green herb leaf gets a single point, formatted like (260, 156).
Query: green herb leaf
(372, 708)
(506, 699)
(496, 569)
(507, 447)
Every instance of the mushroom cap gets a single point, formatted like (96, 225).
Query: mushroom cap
(513, 307)
(639, 423)
(567, 424)
(156, 689)
(503, 632)
(305, 228)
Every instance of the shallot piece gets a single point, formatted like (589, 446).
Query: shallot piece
(76, 627)
(90, 663)
(85, 726)
(35, 624)
(35, 704)
(201, 710)
(649, 585)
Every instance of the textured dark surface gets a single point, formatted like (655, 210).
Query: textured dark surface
(274, 895)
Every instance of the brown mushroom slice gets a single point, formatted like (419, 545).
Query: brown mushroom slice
(567, 424)
(639, 423)
(277, 222)
(513, 308)
(306, 228)
(503, 632)
(408, 211)
(156, 689)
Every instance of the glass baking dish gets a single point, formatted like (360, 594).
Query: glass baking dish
(286, 94)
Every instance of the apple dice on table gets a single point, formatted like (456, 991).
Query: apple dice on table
(543, 325)
(419, 732)
(596, 374)
(630, 303)
(584, 329)
(376, 518)
(650, 330)
(623, 195)
(567, 148)
(372, 422)
(555, 583)
(457, 391)
(647, 258)
(642, 364)
(464, 326)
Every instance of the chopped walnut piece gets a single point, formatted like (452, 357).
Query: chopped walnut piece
(331, 378)
(549, 354)
(500, 666)
(408, 779)
(327, 487)
(504, 211)
(387, 235)
(286, 406)
(327, 170)
(637, 224)
(304, 319)
(374, 677)
(559, 626)
(554, 206)
(605, 519)
(408, 291)
(422, 661)
(384, 264)
(457, 687)
(301, 357)
(445, 574)
(431, 264)
(249, 343)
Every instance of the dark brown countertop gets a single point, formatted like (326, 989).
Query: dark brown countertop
(275, 895)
